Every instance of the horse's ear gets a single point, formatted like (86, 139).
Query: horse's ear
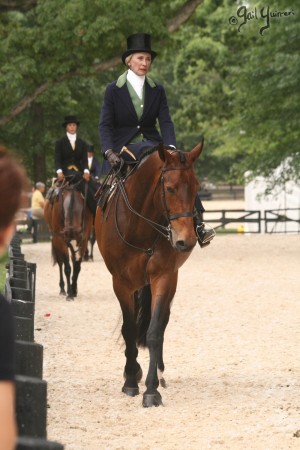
(161, 151)
(195, 153)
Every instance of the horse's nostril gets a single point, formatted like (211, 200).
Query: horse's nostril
(181, 246)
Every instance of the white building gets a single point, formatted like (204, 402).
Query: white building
(284, 201)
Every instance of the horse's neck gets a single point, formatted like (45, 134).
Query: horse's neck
(142, 184)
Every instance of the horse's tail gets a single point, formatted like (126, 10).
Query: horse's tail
(143, 317)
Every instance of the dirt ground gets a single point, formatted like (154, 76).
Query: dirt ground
(231, 353)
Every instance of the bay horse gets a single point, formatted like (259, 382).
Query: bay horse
(70, 223)
(145, 234)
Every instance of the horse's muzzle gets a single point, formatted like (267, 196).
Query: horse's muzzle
(183, 246)
(72, 232)
(182, 243)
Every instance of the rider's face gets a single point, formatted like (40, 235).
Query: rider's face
(140, 63)
(71, 128)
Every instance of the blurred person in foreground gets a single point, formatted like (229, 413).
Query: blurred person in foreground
(12, 183)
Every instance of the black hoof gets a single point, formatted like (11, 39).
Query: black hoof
(152, 400)
(130, 391)
(62, 292)
(69, 298)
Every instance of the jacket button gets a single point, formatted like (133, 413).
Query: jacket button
(138, 127)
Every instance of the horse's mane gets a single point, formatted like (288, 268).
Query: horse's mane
(149, 151)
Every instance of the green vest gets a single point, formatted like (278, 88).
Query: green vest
(137, 102)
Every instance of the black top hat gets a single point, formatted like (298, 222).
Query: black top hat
(90, 148)
(70, 119)
(139, 42)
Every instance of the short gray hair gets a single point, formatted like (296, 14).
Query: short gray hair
(127, 60)
(39, 185)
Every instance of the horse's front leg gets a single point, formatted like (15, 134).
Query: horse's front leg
(151, 396)
(162, 295)
(160, 361)
(132, 370)
(68, 277)
(61, 279)
(76, 271)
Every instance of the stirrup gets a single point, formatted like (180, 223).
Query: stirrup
(204, 236)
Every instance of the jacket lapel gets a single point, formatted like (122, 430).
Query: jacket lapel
(124, 97)
(68, 143)
(150, 95)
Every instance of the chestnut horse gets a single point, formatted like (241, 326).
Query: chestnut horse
(70, 223)
(145, 235)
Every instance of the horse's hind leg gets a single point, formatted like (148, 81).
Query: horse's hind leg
(132, 370)
(92, 241)
(86, 254)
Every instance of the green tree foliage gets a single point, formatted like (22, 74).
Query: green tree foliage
(56, 59)
(265, 102)
(237, 87)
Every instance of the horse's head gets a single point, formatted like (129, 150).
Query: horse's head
(73, 212)
(179, 186)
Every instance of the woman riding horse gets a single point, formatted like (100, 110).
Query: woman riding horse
(129, 112)
(71, 159)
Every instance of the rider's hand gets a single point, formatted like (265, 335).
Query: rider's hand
(86, 176)
(113, 158)
(60, 176)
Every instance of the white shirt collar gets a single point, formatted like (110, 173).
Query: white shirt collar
(136, 81)
(71, 137)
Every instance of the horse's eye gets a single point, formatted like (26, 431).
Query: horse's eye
(170, 190)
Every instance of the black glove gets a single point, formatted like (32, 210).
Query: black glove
(113, 158)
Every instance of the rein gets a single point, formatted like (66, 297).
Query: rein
(164, 231)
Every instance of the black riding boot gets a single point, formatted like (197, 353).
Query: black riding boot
(204, 235)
